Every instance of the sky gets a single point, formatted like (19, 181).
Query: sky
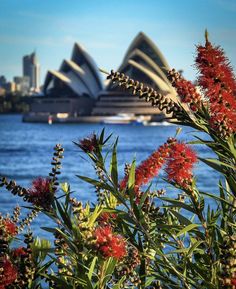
(106, 28)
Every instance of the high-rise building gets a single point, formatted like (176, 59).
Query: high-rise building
(31, 68)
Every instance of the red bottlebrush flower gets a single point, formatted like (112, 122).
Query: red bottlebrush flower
(18, 252)
(41, 194)
(214, 68)
(89, 144)
(10, 227)
(218, 81)
(108, 244)
(103, 235)
(186, 90)
(116, 248)
(233, 282)
(8, 273)
(150, 167)
(180, 164)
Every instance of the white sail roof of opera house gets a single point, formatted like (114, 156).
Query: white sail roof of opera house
(147, 46)
(143, 59)
(144, 62)
(80, 75)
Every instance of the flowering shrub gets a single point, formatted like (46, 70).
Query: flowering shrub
(134, 236)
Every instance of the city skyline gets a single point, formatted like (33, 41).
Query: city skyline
(106, 29)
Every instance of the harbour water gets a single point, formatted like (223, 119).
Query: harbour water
(26, 150)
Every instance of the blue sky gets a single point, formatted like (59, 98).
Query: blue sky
(106, 28)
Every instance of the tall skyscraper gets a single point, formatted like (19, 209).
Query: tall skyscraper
(31, 68)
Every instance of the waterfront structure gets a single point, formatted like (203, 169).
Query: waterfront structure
(31, 69)
(76, 89)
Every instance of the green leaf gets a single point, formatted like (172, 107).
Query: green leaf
(119, 285)
(51, 230)
(114, 170)
(92, 266)
(149, 280)
(65, 187)
(231, 143)
(107, 139)
(96, 183)
(217, 198)
(66, 219)
(94, 216)
(216, 164)
(194, 247)
(109, 268)
(40, 249)
(144, 197)
(101, 138)
(177, 251)
(178, 204)
(142, 268)
(131, 180)
(232, 183)
(187, 229)
(181, 218)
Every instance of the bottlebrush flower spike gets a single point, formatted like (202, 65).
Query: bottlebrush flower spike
(214, 68)
(18, 252)
(150, 167)
(217, 79)
(186, 90)
(108, 244)
(41, 194)
(89, 144)
(103, 234)
(233, 282)
(8, 273)
(180, 164)
(147, 93)
(10, 227)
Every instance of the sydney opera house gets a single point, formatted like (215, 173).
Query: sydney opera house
(76, 92)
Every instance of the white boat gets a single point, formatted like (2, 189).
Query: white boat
(160, 123)
(121, 118)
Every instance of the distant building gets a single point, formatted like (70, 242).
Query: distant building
(31, 69)
(77, 89)
(10, 87)
(3, 81)
(2, 92)
(22, 84)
